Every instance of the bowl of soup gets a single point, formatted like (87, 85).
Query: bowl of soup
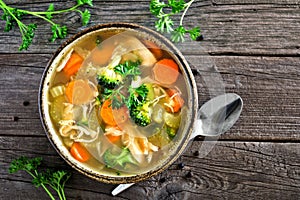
(118, 102)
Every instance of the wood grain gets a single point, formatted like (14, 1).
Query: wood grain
(232, 169)
(254, 46)
(236, 27)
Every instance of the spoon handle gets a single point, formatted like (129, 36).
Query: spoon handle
(197, 129)
(120, 188)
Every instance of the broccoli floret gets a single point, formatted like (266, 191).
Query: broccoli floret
(108, 78)
(114, 74)
(141, 114)
(138, 96)
(112, 159)
(139, 105)
(171, 131)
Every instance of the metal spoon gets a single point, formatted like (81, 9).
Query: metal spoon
(214, 118)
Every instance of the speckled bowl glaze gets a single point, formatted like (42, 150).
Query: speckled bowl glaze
(188, 120)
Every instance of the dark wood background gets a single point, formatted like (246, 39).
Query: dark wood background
(256, 48)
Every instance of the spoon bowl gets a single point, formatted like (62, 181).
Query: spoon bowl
(219, 114)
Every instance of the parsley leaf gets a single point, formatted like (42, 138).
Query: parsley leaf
(128, 68)
(13, 16)
(58, 32)
(82, 2)
(137, 96)
(156, 7)
(54, 179)
(177, 6)
(194, 33)
(178, 34)
(10, 20)
(23, 163)
(49, 11)
(116, 96)
(85, 17)
(27, 36)
(120, 96)
(164, 22)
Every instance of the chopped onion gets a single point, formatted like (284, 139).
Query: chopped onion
(113, 131)
(115, 61)
(157, 115)
(137, 82)
(57, 90)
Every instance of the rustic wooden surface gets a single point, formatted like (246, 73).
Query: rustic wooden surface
(256, 48)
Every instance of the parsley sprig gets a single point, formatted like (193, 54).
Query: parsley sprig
(53, 179)
(117, 96)
(126, 95)
(13, 16)
(164, 11)
(129, 71)
(137, 95)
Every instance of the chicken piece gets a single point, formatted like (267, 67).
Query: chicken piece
(67, 123)
(138, 146)
(66, 129)
(134, 45)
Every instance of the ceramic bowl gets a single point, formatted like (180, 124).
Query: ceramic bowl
(188, 120)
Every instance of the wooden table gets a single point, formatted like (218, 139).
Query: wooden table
(256, 48)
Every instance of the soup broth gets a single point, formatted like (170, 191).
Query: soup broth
(118, 101)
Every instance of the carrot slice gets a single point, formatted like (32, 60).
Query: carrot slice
(113, 138)
(79, 92)
(101, 55)
(154, 48)
(106, 113)
(79, 152)
(166, 71)
(113, 117)
(73, 64)
(175, 101)
(69, 91)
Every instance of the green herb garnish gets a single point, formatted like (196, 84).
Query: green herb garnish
(128, 68)
(137, 96)
(165, 24)
(13, 16)
(110, 79)
(112, 158)
(53, 179)
(116, 96)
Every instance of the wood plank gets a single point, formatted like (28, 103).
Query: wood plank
(257, 2)
(270, 90)
(233, 170)
(24, 189)
(255, 48)
(257, 79)
(235, 27)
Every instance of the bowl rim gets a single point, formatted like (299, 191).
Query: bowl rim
(193, 98)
